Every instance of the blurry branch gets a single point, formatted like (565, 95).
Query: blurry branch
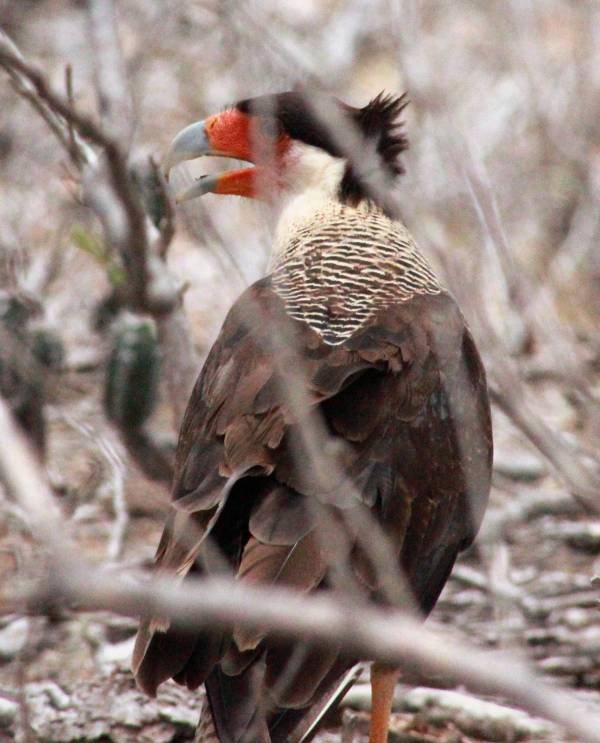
(513, 288)
(508, 391)
(109, 70)
(133, 228)
(149, 455)
(577, 475)
(114, 460)
(200, 223)
(389, 636)
(569, 258)
(578, 116)
(126, 231)
(285, 53)
(166, 220)
(121, 212)
(506, 386)
(73, 149)
(21, 473)
(14, 63)
(522, 510)
(114, 195)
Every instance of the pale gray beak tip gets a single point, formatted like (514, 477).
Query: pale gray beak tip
(205, 184)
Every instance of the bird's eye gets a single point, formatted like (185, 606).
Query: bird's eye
(270, 127)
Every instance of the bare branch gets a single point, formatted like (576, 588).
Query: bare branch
(109, 70)
(583, 482)
(20, 471)
(127, 228)
(70, 97)
(25, 88)
(114, 460)
(391, 637)
(129, 233)
(166, 224)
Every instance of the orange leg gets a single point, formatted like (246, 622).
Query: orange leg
(383, 683)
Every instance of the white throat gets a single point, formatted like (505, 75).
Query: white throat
(312, 179)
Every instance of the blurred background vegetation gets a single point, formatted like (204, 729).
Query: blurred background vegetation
(502, 192)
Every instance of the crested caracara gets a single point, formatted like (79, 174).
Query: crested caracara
(351, 352)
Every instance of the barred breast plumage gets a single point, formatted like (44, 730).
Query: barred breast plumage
(338, 269)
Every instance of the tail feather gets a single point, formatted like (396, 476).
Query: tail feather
(236, 705)
(186, 657)
(295, 672)
(236, 709)
(236, 712)
(299, 726)
(158, 656)
(206, 732)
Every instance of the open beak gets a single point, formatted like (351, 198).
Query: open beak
(222, 135)
(189, 144)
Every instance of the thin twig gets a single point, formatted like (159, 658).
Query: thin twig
(26, 90)
(125, 223)
(109, 71)
(583, 482)
(131, 239)
(117, 469)
(167, 222)
(70, 97)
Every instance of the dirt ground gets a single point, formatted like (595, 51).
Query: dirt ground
(505, 151)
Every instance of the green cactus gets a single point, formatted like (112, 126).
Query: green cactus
(47, 348)
(132, 372)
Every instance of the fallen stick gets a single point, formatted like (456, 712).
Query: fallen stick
(472, 716)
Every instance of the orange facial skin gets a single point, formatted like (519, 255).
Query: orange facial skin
(236, 134)
(229, 134)
(254, 183)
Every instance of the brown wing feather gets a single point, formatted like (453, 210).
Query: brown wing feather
(301, 566)
(407, 396)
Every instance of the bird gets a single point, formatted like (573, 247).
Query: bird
(343, 398)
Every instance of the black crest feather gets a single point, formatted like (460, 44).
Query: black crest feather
(380, 123)
(381, 119)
